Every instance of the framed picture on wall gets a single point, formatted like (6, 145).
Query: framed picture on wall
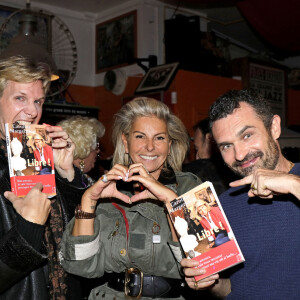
(157, 78)
(116, 42)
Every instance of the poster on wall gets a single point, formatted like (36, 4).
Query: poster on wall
(116, 42)
(270, 82)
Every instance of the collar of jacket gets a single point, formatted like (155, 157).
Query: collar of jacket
(167, 176)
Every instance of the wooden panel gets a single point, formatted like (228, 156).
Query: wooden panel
(196, 92)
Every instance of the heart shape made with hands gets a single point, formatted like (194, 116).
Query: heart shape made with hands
(136, 188)
(112, 186)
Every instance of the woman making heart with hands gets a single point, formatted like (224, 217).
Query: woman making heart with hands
(122, 228)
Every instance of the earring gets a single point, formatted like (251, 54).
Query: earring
(127, 159)
(81, 165)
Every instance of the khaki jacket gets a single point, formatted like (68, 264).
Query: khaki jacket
(109, 249)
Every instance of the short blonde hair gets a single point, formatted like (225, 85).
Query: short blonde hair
(200, 203)
(24, 70)
(37, 136)
(83, 131)
(148, 107)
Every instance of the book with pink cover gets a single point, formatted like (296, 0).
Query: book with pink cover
(30, 158)
(204, 231)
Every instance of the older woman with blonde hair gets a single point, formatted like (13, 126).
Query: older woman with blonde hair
(85, 133)
(128, 235)
(42, 153)
(213, 221)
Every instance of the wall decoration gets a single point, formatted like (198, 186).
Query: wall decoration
(268, 79)
(157, 78)
(9, 20)
(271, 83)
(116, 42)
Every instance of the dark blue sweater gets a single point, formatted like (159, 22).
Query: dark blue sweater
(268, 232)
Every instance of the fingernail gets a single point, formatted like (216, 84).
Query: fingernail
(202, 271)
(126, 176)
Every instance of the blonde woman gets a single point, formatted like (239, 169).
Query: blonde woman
(43, 153)
(85, 133)
(127, 236)
(212, 220)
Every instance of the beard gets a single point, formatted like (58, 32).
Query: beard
(268, 160)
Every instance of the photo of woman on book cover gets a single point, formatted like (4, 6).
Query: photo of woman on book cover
(213, 222)
(42, 154)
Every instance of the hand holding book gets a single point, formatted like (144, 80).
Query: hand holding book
(205, 234)
(63, 151)
(30, 158)
(34, 207)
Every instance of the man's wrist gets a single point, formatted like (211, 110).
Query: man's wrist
(296, 186)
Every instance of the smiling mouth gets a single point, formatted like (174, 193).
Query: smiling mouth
(249, 160)
(249, 163)
(148, 157)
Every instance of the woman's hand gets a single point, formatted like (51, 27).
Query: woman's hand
(63, 152)
(106, 187)
(153, 188)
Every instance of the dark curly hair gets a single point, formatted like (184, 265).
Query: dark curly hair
(228, 102)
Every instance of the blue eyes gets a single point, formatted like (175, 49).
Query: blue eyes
(244, 137)
(226, 147)
(22, 99)
(39, 102)
(158, 138)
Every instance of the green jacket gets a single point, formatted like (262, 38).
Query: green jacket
(108, 249)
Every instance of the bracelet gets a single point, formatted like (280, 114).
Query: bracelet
(80, 214)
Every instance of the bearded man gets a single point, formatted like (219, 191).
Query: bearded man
(263, 207)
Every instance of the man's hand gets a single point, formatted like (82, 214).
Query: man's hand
(63, 152)
(219, 287)
(34, 207)
(190, 271)
(266, 183)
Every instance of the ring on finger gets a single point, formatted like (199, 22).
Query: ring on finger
(104, 178)
(253, 187)
(196, 284)
(69, 144)
(129, 201)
